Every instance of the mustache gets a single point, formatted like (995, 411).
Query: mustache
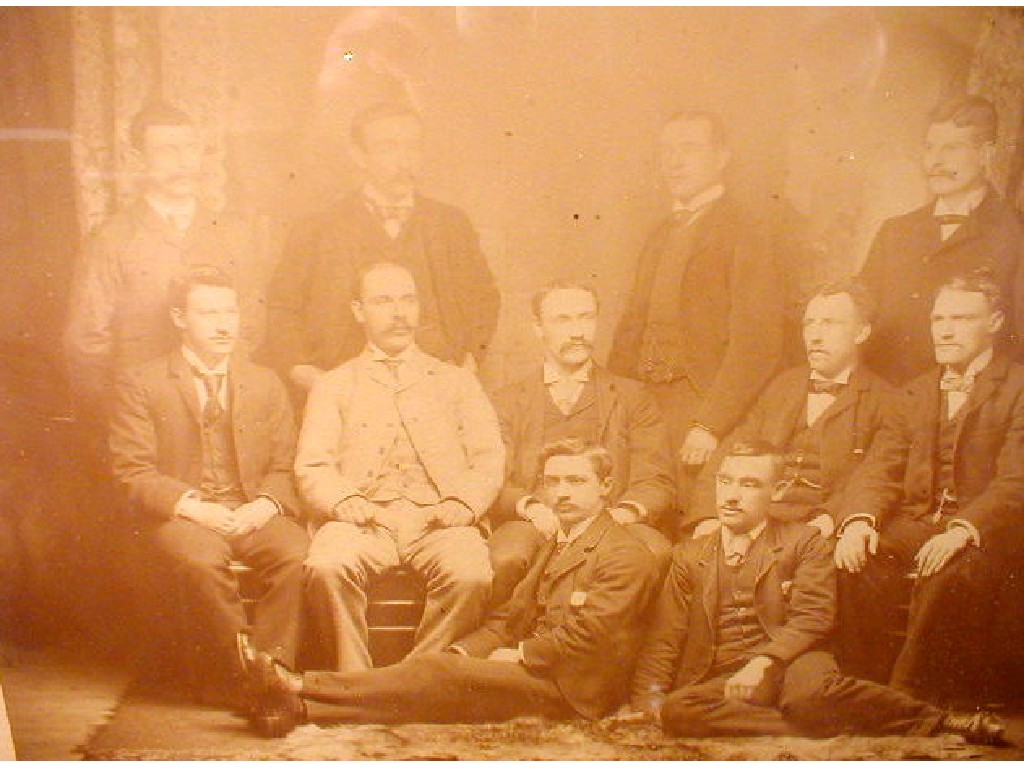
(565, 347)
(399, 327)
(942, 173)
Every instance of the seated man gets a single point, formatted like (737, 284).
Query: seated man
(203, 443)
(823, 415)
(558, 648)
(399, 456)
(933, 516)
(737, 642)
(571, 396)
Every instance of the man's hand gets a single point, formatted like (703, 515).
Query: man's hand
(305, 376)
(624, 515)
(648, 705)
(745, 682)
(858, 540)
(451, 514)
(704, 527)
(698, 446)
(355, 510)
(510, 655)
(543, 518)
(823, 523)
(939, 550)
(214, 517)
(253, 516)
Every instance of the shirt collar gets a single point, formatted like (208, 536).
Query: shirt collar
(377, 200)
(700, 200)
(380, 356)
(843, 376)
(199, 366)
(728, 537)
(971, 201)
(976, 366)
(552, 374)
(575, 532)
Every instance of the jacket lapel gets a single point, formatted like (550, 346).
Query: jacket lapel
(985, 386)
(848, 397)
(180, 371)
(766, 552)
(606, 395)
(577, 553)
(708, 563)
(787, 419)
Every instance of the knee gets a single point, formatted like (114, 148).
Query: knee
(468, 574)
(511, 549)
(323, 568)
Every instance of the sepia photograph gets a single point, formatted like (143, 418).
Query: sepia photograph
(511, 383)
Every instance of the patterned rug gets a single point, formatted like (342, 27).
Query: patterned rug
(161, 727)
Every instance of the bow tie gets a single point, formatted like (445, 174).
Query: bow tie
(821, 387)
(952, 382)
(950, 218)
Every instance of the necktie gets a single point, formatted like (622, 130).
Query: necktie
(180, 221)
(738, 551)
(212, 410)
(950, 218)
(392, 366)
(952, 382)
(820, 387)
(682, 216)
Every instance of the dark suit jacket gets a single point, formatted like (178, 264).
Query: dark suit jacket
(731, 310)
(848, 426)
(631, 428)
(155, 438)
(908, 260)
(310, 318)
(601, 586)
(794, 598)
(899, 474)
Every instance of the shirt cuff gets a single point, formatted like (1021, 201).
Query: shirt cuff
(277, 505)
(636, 506)
(523, 503)
(522, 654)
(869, 519)
(458, 650)
(958, 522)
(186, 503)
(460, 502)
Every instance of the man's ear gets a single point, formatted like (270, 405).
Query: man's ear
(357, 310)
(863, 334)
(178, 318)
(995, 321)
(780, 488)
(606, 486)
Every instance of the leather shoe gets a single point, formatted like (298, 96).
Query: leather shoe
(276, 707)
(980, 727)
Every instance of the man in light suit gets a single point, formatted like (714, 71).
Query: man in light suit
(571, 396)
(933, 516)
(399, 456)
(311, 327)
(559, 648)
(738, 642)
(966, 226)
(703, 325)
(203, 442)
(824, 415)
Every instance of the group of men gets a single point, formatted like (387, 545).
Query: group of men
(808, 508)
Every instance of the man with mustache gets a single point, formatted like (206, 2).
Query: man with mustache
(118, 315)
(202, 443)
(933, 516)
(703, 323)
(560, 648)
(399, 456)
(570, 395)
(738, 644)
(311, 327)
(967, 226)
(824, 415)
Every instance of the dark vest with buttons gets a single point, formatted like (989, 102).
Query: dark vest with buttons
(738, 632)
(221, 480)
(803, 462)
(550, 616)
(581, 423)
(944, 476)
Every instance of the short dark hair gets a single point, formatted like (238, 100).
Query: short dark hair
(974, 111)
(379, 111)
(719, 136)
(537, 301)
(757, 448)
(200, 274)
(863, 299)
(980, 281)
(360, 275)
(155, 112)
(600, 457)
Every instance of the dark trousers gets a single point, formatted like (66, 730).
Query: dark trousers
(514, 545)
(197, 586)
(946, 655)
(435, 688)
(811, 697)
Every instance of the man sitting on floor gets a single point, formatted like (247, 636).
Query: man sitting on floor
(738, 641)
(559, 647)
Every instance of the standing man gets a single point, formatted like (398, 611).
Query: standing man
(737, 646)
(560, 648)
(399, 457)
(569, 395)
(203, 444)
(119, 315)
(967, 226)
(822, 415)
(703, 324)
(387, 220)
(933, 517)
